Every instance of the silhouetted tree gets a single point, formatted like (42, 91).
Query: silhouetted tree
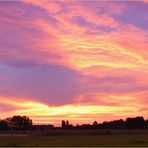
(9, 123)
(116, 124)
(67, 123)
(95, 124)
(146, 123)
(104, 124)
(4, 125)
(19, 122)
(78, 126)
(86, 126)
(63, 124)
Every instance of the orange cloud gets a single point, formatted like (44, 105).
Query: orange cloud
(73, 112)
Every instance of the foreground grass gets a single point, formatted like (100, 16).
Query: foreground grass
(135, 140)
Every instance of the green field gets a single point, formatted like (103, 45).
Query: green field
(71, 139)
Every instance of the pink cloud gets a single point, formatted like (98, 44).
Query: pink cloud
(53, 7)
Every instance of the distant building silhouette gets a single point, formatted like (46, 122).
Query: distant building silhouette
(135, 123)
(43, 127)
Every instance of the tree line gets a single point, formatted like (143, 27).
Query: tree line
(25, 123)
(129, 123)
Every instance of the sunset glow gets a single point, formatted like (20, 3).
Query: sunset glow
(75, 60)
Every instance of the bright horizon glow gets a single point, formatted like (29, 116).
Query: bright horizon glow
(73, 60)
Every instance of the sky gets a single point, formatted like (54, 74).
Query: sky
(73, 60)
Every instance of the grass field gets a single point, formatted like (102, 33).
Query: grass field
(79, 138)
